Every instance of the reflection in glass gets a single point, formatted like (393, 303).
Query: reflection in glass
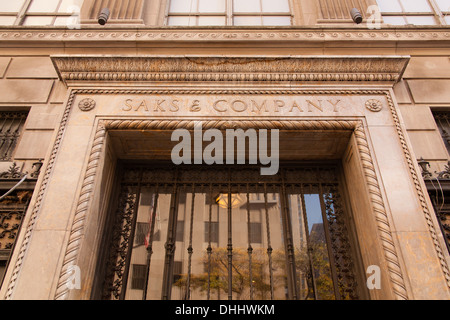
(394, 20)
(247, 21)
(257, 224)
(416, 5)
(275, 6)
(211, 6)
(389, 6)
(444, 5)
(276, 21)
(421, 20)
(11, 6)
(246, 6)
(183, 6)
(230, 241)
(212, 21)
(43, 6)
(38, 21)
(7, 20)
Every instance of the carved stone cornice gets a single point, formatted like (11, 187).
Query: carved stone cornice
(227, 34)
(263, 69)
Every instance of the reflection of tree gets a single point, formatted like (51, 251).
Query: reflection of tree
(321, 266)
(240, 275)
(260, 274)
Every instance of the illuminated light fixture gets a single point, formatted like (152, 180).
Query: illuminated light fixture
(236, 200)
(356, 15)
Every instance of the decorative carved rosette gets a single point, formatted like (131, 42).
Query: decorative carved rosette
(374, 105)
(87, 104)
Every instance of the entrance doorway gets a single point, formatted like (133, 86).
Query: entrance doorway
(203, 232)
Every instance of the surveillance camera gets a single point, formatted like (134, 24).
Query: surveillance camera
(356, 15)
(103, 16)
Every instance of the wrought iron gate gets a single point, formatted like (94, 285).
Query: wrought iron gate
(229, 233)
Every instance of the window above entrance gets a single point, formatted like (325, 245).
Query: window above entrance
(229, 12)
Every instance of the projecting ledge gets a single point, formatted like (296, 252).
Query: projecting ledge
(84, 69)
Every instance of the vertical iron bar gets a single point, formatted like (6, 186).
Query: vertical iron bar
(289, 241)
(131, 239)
(9, 139)
(308, 244)
(190, 249)
(209, 249)
(329, 244)
(170, 243)
(150, 242)
(230, 243)
(269, 246)
(3, 133)
(250, 249)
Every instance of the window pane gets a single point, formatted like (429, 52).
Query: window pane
(389, 6)
(211, 6)
(421, 20)
(447, 19)
(70, 6)
(183, 5)
(246, 6)
(182, 21)
(444, 5)
(416, 5)
(275, 6)
(11, 6)
(72, 22)
(43, 6)
(247, 21)
(7, 21)
(276, 21)
(398, 21)
(212, 21)
(38, 21)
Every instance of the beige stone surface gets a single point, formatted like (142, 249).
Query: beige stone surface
(59, 93)
(428, 67)
(43, 117)
(430, 91)
(362, 216)
(237, 105)
(25, 91)
(62, 192)
(4, 62)
(417, 117)
(428, 144)
(401, 92)
(396, 181)
(31, 67)
(423, 268)
(33, 144)
(39, 268)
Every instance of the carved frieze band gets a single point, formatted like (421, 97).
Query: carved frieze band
(229, 68)
(189, 34)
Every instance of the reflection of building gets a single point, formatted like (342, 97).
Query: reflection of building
(80, 102)
(317, 233)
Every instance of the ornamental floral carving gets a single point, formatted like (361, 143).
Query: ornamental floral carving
(86, 104)
(374, 105)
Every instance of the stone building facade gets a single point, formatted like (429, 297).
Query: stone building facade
(93, 207)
